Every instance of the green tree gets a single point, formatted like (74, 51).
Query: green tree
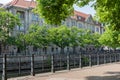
(7, 23)
(18, 41)
(54, 11)
(76, 36)
(60, 36)
(95, 39)
(107, 11)
(87, 36)
(90, 38)
(37, 36)
(110, 38)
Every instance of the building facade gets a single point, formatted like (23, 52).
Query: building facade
(24, 9)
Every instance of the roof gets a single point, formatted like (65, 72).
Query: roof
(83, 17)
(32, 4)
(81, 14)
(22, 3)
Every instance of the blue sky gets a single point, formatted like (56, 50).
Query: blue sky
(87, 9)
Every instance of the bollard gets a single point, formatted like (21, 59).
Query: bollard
(4, 74)
(32, 65)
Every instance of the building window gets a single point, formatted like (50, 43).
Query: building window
(97, 29)
(93, 28)
(73, 23)
(44, 49)
(57, 49)
(79, 25)
(67, 23)
(35, 17)
(52, 49)
(21, 14)
(79, 17)
(21, 28)
(35, 49)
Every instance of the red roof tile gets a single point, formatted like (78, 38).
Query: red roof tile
(78, 13)
(23, 3)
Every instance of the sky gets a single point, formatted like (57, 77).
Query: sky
(86, 9)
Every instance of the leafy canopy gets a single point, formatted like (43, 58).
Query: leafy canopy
(7, 22)
(107, 11)
(37, 36)
(110, 38)
(60, 36)
(54, 11)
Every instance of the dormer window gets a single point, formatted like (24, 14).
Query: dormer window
(79, 17)
(21, 14)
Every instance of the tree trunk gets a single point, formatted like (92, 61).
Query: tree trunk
(62, 50)
(45, 50)
(74, 49)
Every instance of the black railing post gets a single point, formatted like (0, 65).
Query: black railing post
(115, 57)
(104, 58)
(19, 64)
(68, 61)
(4, 74)
(110, 58)
(42, 62)
(52, 63)
(60, 61)
(119, 56)
(80, 61)
(74, 60)
(98, 60)
(32, 65)
(90, 64)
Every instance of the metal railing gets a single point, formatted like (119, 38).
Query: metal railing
(20, 65)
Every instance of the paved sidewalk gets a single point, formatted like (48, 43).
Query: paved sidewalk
(102, 72)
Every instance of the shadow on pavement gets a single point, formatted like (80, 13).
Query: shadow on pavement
(114, 76)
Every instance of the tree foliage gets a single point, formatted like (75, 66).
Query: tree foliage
(60, 36)
(76, 36)
(18, 41)
(107, 11)
(7, 22)
(54, 11)
(90, 38)
(37, 36)
(110, 38)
